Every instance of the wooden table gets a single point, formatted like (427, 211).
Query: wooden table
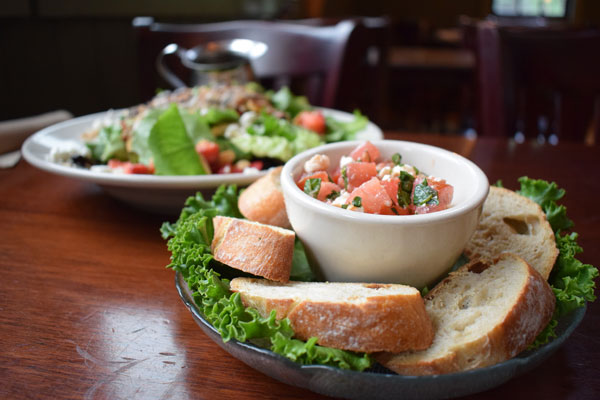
(87, 309)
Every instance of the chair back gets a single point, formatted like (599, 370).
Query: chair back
(307, 57)
(541, 82)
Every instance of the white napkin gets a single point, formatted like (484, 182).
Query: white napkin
(9, 160)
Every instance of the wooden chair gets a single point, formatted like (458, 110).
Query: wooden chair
(312, 57)
(541, 82)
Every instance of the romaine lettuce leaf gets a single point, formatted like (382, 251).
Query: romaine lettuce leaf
(285, 100)
(189, 244)
(264, 146)
(338, 130)
(172, 149)
(277, 138)
(214, 115)
(141, 133)
(108, 144)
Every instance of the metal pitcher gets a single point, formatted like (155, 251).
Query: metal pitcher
(224, 62)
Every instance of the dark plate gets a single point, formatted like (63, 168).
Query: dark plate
(378, 383)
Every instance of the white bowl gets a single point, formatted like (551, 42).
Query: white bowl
(416, 250)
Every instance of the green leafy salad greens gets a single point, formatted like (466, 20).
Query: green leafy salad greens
(165, 135)
(571, 280)
(189, 242)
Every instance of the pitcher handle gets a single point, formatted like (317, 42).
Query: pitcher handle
(164, 71)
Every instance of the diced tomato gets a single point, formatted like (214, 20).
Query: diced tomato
(326, 189)
(366, 152)
(131, 168)
(114, 163)
(374, 197)
(335, 176)
(382, 165)
(312, 175)
(356, 174)
(208, 149)
(313, 120)
(258, 164)
(391, 188)
(228, 169)
(445, 193)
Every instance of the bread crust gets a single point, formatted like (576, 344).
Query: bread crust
(263, 201)
(530, 314)
(252, 247)
(397, 322)
(504, 212)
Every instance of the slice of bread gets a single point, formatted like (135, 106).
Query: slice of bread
(483, 314)
(514, 224)
(263, 201)
(253, 247)
(351, 316)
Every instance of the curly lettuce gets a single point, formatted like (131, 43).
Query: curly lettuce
(571, 280)
(189, 243)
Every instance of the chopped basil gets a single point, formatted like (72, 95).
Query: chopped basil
(425, 194)
(406, 181)
(417, 172)
(345, 177)
(395, 211)
(405, 188)
(357, 202)
(330, 178)
(312, 187)
(344, 206)
(397, 159)
(333, 195)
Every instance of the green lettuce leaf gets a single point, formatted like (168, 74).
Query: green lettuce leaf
(172, 149)
(214, 116)
(285, 100)
(264, 146)
(571, 280)
(140, 135)
(189, 243)
(108, 144)
(338, 130)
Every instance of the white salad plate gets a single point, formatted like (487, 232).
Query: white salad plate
(162, 194)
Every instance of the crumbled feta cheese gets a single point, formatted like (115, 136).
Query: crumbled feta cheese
(232, 130)
(250, 170)
(385, 172)
(318, 162)
(345, 160)
(64, 153)
(247, 118)
(102, 169)
(404, 167)
(341, 199)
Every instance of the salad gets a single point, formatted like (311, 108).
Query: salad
(206, 130)
(363, 182)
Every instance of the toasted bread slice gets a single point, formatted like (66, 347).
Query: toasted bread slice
(351, 316)
(483, 314)
(263, 201)
(253, 247)
(514, 224)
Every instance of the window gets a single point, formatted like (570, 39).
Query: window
(530, 8)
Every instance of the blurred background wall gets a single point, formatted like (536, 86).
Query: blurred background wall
(81, 55)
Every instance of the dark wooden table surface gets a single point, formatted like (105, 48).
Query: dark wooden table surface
(87, 309)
